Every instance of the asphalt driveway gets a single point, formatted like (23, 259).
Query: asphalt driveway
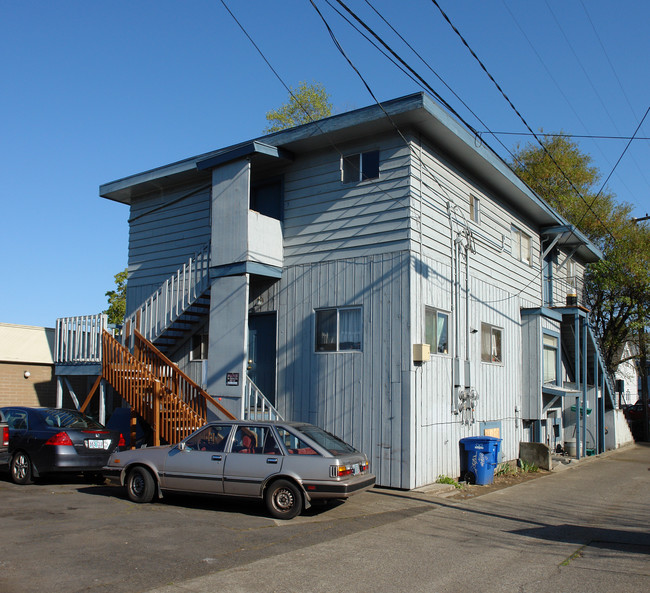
(583, 529)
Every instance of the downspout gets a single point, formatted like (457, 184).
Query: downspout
(455, 365)
(584, 386)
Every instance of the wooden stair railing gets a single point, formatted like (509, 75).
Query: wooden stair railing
(156, 389)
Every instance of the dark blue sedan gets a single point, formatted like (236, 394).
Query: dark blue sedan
(48, 440)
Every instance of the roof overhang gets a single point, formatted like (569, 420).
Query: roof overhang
(413, 114)
(572, 240)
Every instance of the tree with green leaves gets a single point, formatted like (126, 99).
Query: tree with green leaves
(117, 299)
(309, 102)
(617, 289)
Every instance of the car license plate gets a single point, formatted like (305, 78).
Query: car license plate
(356, 469)
(98, 444)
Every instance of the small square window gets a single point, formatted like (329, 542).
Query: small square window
(199, 347)
(436, 330)
(338, 330)
(359, 167)
(491, 343)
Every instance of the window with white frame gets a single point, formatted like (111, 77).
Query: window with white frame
(360, 166)
(474, 208)
(521, 245)
(436, 330)
(338, 329)
(491, 343)
(550, 353)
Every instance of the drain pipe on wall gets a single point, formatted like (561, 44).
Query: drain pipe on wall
(455, 364)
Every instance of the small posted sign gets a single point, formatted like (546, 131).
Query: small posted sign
(232, 379)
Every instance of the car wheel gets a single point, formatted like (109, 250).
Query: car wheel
(283, 499)
(140, 485)
(21, 468)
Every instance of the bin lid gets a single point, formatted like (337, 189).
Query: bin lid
(485, 439)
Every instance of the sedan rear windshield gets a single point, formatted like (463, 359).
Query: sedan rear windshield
(326, 440)
(69, 419)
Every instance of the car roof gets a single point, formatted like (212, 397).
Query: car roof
(262, 422)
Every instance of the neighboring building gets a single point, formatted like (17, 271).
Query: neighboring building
(380, 273)
(27, 365)
(627, 376)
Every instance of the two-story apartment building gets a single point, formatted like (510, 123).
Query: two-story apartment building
(381, 273)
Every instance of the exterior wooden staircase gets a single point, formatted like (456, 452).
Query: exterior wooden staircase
(167, 399)
(153, 386)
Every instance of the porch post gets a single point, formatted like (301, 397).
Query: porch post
(59, 392)
(584, 386)
(602, 409)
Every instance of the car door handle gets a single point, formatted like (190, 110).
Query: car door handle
(217, 458)
(272, 460)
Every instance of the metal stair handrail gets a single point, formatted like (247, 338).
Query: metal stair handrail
(173, 297)
(256, 406)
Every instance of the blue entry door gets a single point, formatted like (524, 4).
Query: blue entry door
(262, 352)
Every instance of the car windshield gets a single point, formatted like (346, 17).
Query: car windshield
(69, 419)
(326, 440)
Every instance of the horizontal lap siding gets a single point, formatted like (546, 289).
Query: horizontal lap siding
(326, 219)
(439, 183)
(499, 284)
(438, 430)
(164, 232)
(360, 396)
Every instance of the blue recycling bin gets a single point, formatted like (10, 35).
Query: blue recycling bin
(482, 456)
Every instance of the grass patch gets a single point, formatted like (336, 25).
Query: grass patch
(447, 480)
(506, 469)
(528, 467)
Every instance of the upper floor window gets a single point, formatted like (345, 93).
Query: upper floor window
(360, 166)
(474, 208)
(491, 343)
(436, 330)
(521, 245)
(338, 329)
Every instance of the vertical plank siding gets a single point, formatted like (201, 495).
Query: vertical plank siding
(360, 396)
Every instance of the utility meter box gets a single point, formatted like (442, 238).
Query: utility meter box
(421, 352)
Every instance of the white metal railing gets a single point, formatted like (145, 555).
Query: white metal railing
(256, 406)
(79, 339)
(174, 296)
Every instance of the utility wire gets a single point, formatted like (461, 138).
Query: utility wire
(566, 135)
(521, 117)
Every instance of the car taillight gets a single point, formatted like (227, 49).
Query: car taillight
(352, 469)
(340, 471)
(5, 436)
(121, 442)
(61, 439)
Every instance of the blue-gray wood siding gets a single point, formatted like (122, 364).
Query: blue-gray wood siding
(327, 219)
(363, 397)
(165, 230)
